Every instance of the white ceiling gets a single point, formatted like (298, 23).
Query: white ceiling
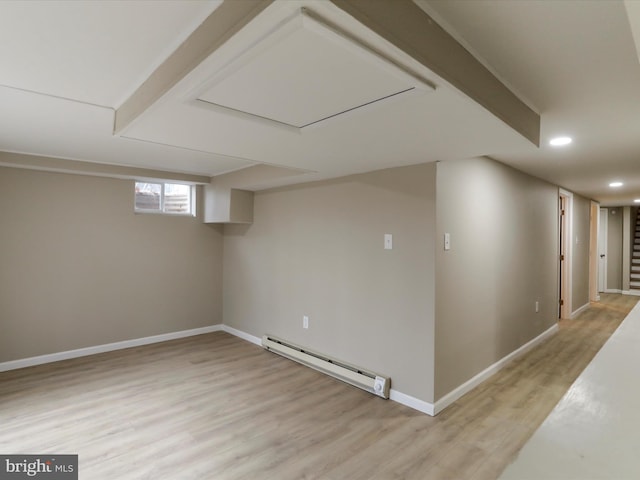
(332, 75)
(575, 63)
(67, 66)
(96, 52)
(430, 125)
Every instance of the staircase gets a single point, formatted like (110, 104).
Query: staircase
(634, 283)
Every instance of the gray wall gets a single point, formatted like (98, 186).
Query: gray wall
(317, 250)
(78, 268)
(580, 252)
(503, 257)
(614, 248)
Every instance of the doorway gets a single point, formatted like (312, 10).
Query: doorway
(602, 249)
(594, 253)
(565, 208)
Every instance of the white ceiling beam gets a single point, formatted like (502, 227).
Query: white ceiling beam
(410, 29)
(222, 24)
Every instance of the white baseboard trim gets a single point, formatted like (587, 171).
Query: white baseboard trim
(635, 293)
(613, 290)
(470, 384)
(107, 347)
(396, 396)
(412, 402)
(580, 310)
(242, 335)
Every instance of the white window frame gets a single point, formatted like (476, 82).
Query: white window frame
(161, 210)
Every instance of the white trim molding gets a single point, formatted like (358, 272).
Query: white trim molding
(431, 408)
(412, 402)
(603, 249)
(613, 290)
(242, 335)
(470, 384)
(107, 347)
(577, 312)
(394, 395)
(635, 293)
(567, 274)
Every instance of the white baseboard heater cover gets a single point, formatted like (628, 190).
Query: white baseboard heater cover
(359, 377)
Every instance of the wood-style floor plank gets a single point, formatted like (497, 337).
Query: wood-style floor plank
(217, 407)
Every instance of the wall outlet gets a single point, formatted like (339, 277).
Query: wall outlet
(537, 306)
(305, 321)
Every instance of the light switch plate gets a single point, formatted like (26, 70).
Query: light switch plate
(388, 241)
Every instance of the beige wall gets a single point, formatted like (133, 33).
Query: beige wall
(78, 268)
(580, 252)
(317, 250)
(614, 248)
(503, 257)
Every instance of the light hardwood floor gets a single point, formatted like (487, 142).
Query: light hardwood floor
(217, 407)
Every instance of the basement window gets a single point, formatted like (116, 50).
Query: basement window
(167, 198)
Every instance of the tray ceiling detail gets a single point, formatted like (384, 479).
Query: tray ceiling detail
(307, 86)
(310, 72)
(73, 89)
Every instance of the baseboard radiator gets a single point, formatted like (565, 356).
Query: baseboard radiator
(359, 377)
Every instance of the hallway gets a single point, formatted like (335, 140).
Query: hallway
(592, 431)
(501, 414)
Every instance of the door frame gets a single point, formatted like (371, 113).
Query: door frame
(603, 226)
(565, 223)
(594, 249)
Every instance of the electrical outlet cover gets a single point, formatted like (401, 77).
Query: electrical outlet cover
(379, 386)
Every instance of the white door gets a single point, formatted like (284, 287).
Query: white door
(602, 249)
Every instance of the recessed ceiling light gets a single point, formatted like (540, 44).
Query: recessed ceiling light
(615, 184)
(560, 141)
(637, 200)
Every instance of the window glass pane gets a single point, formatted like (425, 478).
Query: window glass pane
(148, 196)
(177, 198)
